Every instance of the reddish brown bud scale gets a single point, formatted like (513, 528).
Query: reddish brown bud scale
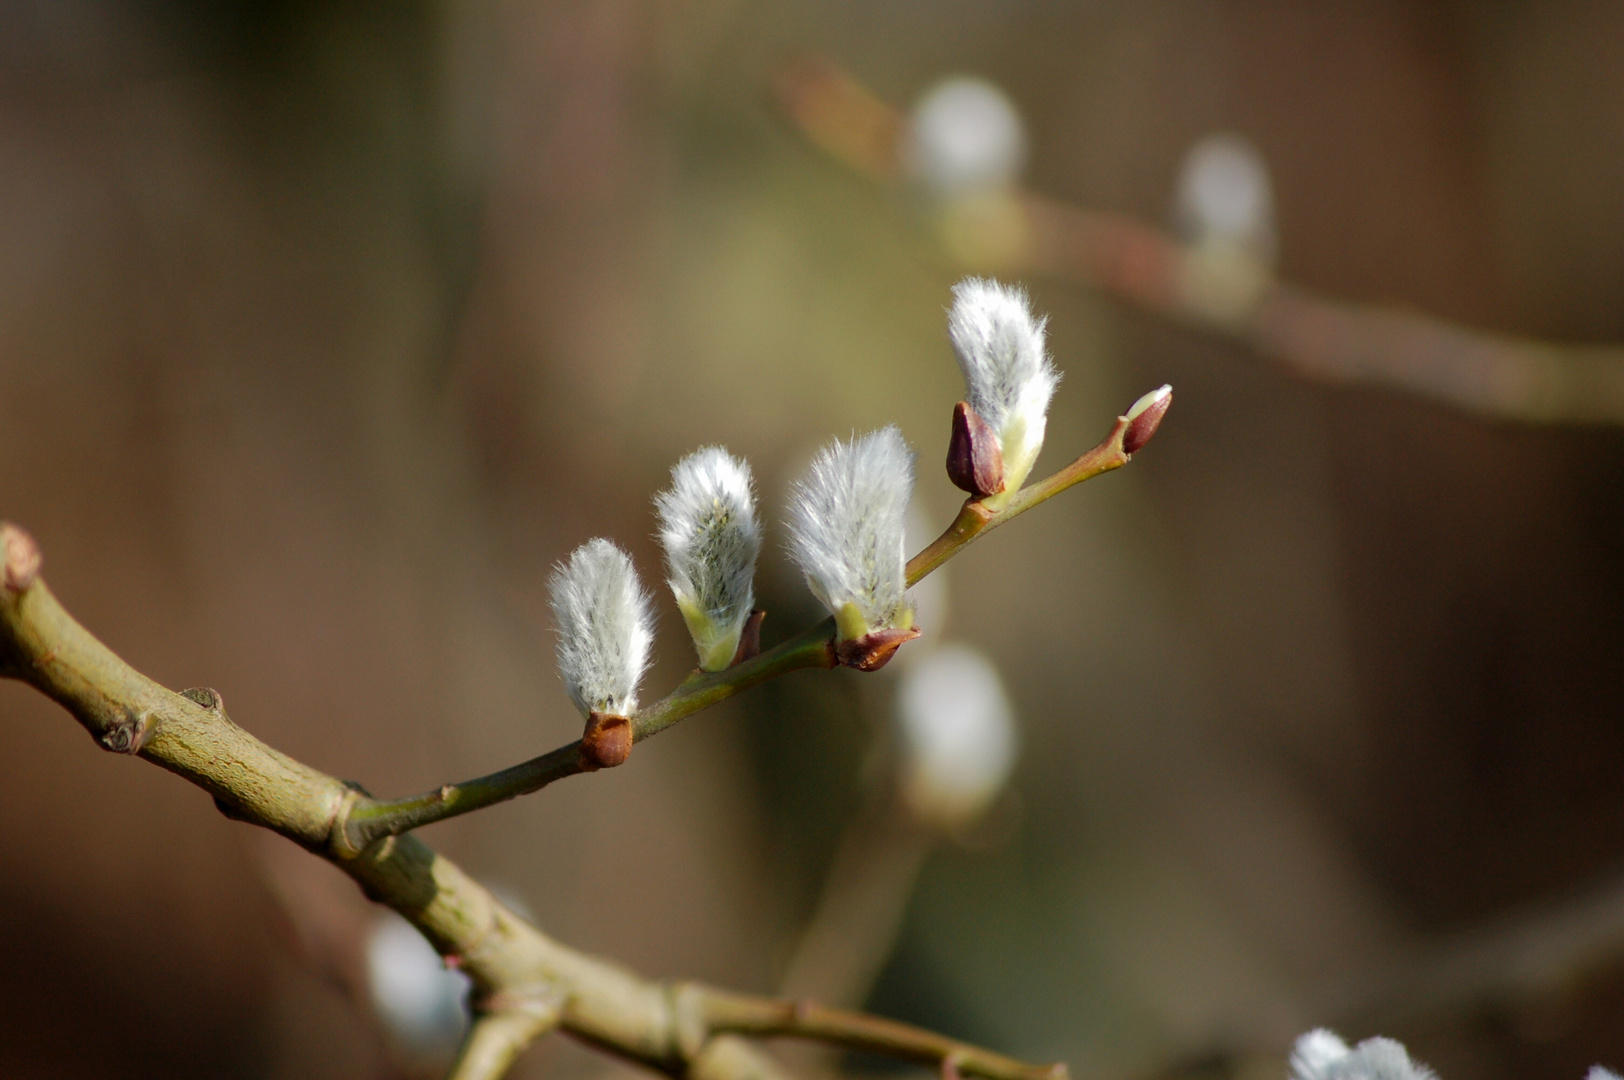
(19, 557)
(975, 461)
(1145, 417)
(873, 651)
(749, 638)
(606, 742)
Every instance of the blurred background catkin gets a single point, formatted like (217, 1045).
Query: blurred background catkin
(326, 329)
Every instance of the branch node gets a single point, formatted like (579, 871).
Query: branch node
(206, 696)
(227, 810)
(19, 557)
(690, 1029)
(339, 843)
(127, 735)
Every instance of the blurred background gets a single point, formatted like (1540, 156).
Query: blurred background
(326, 329)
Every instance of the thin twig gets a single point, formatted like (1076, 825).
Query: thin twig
(1489, 374)
(365, 819)
(853, 930)
(720, 1011)
(496, 1039)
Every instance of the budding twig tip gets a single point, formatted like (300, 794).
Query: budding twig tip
(1144, 417)
(19, 557)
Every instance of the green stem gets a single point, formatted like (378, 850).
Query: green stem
(370, 819)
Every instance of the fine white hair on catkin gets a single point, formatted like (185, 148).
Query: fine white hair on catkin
(711, 538)
(847, 525)
(1000, 347)
(1321, 1055)
(605, 628)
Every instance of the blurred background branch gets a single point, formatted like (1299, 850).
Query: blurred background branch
(986, 223)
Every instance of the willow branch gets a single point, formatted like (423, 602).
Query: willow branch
(496, 1039)
(1328, 340)
(365, 819)
(524, 982)
(853, 929)
(368, 819)
(722, 1012)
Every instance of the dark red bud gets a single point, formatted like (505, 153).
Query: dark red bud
(19, 557)
(606, 742)
(874, 650)
(750, 638)
(975, 461)
(1145, 417)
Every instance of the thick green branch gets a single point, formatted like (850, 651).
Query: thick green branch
(366, 819)
(523, 979)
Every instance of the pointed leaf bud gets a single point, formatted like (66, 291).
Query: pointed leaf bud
(974, 461)
(605, 628)
(1000, 349)
(846, 535)
(708, 527)
(1320, 1055)
(1144, 417)
(750, 639)
(958, 735)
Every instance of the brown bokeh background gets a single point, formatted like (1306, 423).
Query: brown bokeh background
(325, 329)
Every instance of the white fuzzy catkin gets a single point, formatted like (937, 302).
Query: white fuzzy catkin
(964, 136)
(958, 735)
(846, 530)
(1225, 197)
(1000, 349)
(1321, 1055)
(422, 1003)
(1597, 1072)
(708, 527)
(605, 628)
